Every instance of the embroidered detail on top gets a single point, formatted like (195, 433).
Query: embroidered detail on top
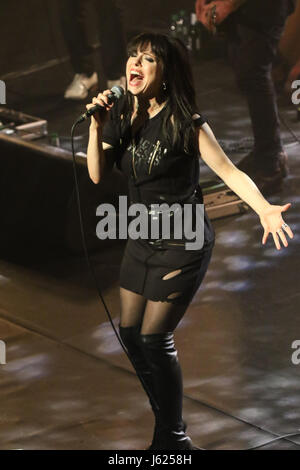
(146, 155)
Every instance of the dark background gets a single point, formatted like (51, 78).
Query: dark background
(34, 59)
(31, 32)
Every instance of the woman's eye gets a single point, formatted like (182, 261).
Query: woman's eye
(149, 59)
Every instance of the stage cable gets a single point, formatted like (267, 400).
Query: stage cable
(91, 268)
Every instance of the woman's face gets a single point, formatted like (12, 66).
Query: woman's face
(144, 73)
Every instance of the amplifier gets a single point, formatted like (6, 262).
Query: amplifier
(220, 201)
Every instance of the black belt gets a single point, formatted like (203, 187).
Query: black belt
(195, 197)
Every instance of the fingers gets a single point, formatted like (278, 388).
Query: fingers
(198, 7)
(203, 15)
(211, 17)
(279, 235)
(282, 237)
(286, 207)
(289, 231)
(276, 241)
(285, 226)
(265, 236)
(273, 222)
(102, 100)
(89, 105)
(98, 101)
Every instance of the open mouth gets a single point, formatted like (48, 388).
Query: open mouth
(135, 78)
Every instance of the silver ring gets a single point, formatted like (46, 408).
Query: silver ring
(284, 225)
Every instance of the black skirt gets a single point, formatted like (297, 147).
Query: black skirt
(144, 266)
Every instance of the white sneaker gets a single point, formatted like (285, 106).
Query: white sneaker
(79, 87)
(119, 82)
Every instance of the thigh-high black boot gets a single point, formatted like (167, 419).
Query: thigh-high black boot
(131, 338)
(161, 354)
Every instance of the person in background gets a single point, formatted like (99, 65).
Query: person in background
(75, 16)
(254, 28)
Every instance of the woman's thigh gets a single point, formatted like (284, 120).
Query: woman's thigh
(132, 306)
(161, 317)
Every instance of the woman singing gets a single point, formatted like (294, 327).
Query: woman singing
(155, 135)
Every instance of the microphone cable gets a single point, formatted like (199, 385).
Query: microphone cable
(284, 436)
(293, 134)
(92, 271)
(91, 268)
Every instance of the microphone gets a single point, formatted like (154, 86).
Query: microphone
(116, 93)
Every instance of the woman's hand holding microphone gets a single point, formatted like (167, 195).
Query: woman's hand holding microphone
(95, 151)
(100, 117)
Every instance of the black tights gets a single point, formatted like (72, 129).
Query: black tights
(152, 317)
(146, 328)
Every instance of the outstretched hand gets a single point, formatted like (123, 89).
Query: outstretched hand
(272, 222)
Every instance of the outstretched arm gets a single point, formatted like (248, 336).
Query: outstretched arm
(243, 186)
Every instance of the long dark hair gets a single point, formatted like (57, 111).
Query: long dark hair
(180, 92)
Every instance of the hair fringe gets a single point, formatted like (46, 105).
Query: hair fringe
(180, 93)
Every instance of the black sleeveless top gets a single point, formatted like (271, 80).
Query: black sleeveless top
(157, 172)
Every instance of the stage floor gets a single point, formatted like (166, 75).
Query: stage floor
(67, 383)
